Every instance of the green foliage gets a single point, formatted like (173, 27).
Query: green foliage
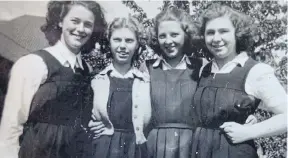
(271, 39)
(272, 146)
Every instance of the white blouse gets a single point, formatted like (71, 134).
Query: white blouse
(27, 74)
(261, 81)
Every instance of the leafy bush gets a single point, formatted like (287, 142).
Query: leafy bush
(270, 47)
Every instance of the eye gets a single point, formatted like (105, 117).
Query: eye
(116, 39)
(224, 30)
(161, 36)
(88, 24)
(129, 40)
(75, 21)
(210, 32)
(174, 34)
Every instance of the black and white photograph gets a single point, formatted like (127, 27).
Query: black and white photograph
(143, 79)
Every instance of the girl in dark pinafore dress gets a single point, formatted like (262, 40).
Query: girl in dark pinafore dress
(47, 87)
(173, 78)
(173, 82)
(124, 102)
(231, 87)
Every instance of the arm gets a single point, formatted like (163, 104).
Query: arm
(95, 125)
(26, 76)
(148, 107)
(263, 84)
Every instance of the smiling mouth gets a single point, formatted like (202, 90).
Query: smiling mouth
(123, 54)
(218, 46)
(170, 49)
(78, 36)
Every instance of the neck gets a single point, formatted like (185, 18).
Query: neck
(173, 62)
(222, 61)
(121, 68)
(74, 51)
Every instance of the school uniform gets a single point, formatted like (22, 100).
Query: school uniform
(172, 91)
(231, 94)
(43, 104)
(122, 103)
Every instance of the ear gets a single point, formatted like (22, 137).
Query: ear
(60, 24)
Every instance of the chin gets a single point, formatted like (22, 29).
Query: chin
(171, 55)
(78, 44)
(121, 61)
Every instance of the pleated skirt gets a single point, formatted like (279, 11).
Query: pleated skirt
(213, 143)
(121, 144)
(44, 140)
(170, 141)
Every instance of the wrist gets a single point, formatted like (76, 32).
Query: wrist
(252, 132)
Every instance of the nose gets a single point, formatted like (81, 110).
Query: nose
(122, 45)
(80, 27)
(168, 41)
(216, 37)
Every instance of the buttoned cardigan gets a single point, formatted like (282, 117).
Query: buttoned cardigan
(141, 102)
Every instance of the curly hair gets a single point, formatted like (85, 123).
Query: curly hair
(57, 10)
(245, 27)
(172, 13)
(132, 24)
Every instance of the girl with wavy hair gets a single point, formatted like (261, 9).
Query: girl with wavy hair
(123, 107)
(231, 87)
(173, 82)
(174, 77)
(44, 101)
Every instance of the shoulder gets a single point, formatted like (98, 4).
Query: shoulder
(260, 76)
(260, 69)
(30, 62)
(34, 58)
(99, 77)
(29, 67)
(99, 81)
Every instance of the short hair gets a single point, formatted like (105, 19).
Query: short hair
(172, 13)
(245, 28)
(57, 10)
(132, 24)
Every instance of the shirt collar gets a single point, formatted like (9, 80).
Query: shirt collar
(181, 65)
(132, 73)
(65, 56)
(240, 60)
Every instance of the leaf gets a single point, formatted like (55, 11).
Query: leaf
(263, 35)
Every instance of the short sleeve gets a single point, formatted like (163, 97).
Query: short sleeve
(262, 83)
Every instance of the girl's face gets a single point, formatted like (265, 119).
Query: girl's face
(77, 27)
(220, 38)
(171, 38)
(123, 43)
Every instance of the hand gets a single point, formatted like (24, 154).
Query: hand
(236, 132)
(96, 127)
(251, 120)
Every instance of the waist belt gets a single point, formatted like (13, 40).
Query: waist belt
(175, 125)
(124, 130)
